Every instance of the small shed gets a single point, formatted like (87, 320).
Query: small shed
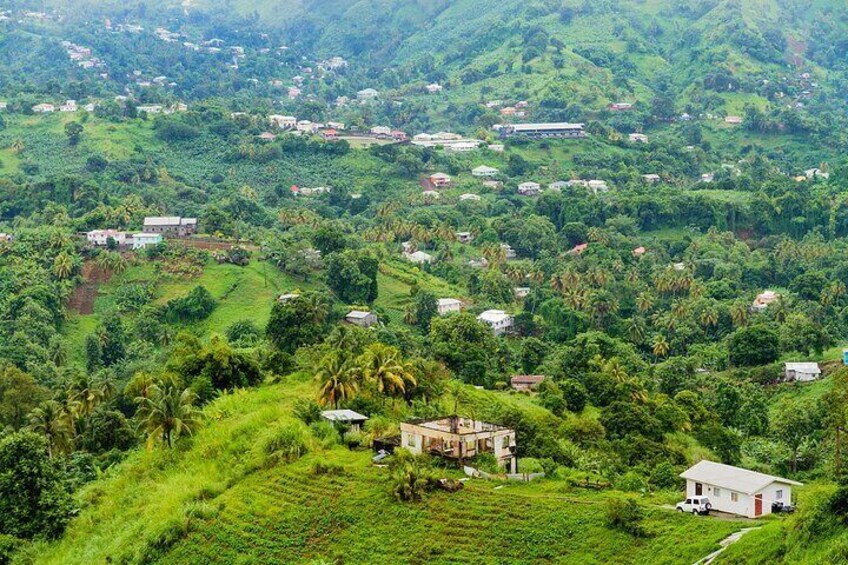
(525, 383)
(361, 318)
(349, 418)
(802, 372)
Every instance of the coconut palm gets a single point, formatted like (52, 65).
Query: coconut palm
(382, 366)
(113, 262)
(636, 330)
(644, 302)
(18, 146)
(167, 413)
(660, 346)
(709, 317)
(494, 253)
(558, 284)
(52, 420)
(514, 272)
(86, 393)
(739, 314)
(409, 315)
(63, 265)
(336, 380)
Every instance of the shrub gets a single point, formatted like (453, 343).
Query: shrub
(575, 394)
(285, 444)
(354, 439)
(664, 476)
(193, 307)
(325, 433)
(243, 333)
(411, 476)
(631, 481)
(8, 546)
(626, 515)
(306, 410)
(487, 462)
(329, 469)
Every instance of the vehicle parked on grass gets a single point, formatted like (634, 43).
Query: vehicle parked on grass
(695, 505)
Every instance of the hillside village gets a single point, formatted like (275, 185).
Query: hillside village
(532, 283)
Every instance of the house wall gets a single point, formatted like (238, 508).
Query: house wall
(412, 438)
(744, 505)
(449, 308)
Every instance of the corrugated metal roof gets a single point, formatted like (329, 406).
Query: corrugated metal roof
(732, 478)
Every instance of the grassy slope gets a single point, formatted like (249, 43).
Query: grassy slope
(242, 293)
(213, 500)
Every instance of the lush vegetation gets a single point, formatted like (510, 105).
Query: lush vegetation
(163, 404)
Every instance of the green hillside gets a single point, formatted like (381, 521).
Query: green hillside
(218, 499)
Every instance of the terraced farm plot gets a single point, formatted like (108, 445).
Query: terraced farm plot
(289, 515)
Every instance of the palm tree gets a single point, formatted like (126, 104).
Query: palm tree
(660, 346)
(382, 366)
(644, 302)
(113, 262)
(336, 380)
(636, 330)
(85, 394)
(739, 314)
(167, 413)
(318, 306)
(495, 254)
(558, 284)
(709, 317)
(63, 265)
(18, 146)
(409, 316)
(53, 421)
(515, 273)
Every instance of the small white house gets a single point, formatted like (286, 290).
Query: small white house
(521, 291)
(464, 236)
(498, 320)
(802, 372)
(638, 138)
(446, 305)
(468, 196)
(142, 240)
(529, 188)
(419, 257)
(345, 418)
(735, 490)
(484, 171)
(100, 238)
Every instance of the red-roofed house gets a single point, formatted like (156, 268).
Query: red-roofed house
(330, 135)
(578, 249)
(525, 383)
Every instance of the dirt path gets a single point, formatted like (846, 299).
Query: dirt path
(82, 300)
(725, 543)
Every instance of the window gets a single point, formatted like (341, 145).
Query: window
(505, 444)
(688, 501)
(410, 440)
(778, 495)
(717, 492)
(734, 497)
